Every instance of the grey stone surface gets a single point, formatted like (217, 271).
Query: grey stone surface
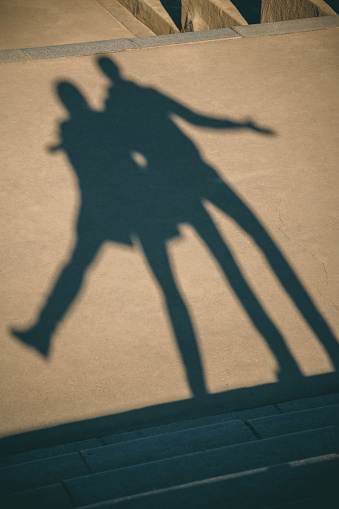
(167, 446)
(48, 452)
(193, 423)
(33, 23)
(286, 27)
(49, 497)
(39, 473)
(12, 55)
(329, 501)
(296, 421)
(252, 413)
(247, 490)
(167, 40)
(86, 48)
(305, 403)
(202, 465)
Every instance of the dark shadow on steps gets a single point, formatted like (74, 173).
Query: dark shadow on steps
(334, 4)
(140, 177)
(173, 412)
(173, 7)
(249, 9)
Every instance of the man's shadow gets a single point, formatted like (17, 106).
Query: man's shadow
(140, 177)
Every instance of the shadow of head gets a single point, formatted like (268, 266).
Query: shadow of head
(109, 68)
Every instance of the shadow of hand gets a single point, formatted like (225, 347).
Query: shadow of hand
(255, 127)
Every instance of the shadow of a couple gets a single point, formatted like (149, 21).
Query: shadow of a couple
(140, 177)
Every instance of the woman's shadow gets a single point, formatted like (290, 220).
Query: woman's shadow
(140, 177)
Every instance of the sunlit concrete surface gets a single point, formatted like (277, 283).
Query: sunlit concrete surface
(115, 349)
(32, 23)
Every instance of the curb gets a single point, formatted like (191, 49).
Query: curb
(118, 45)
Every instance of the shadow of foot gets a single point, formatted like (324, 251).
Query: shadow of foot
(35, 338)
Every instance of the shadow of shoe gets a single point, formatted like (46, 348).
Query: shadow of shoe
(35, 338)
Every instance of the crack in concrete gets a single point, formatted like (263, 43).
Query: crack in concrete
(280, 228)
(326, 279)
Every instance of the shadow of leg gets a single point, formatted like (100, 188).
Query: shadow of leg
(157, 258)
(210, 235)
(64, 292)
(227, 201)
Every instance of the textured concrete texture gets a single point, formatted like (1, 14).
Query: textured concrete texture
(199, 15)
(252, 489)
(53, 497)
(86, 48)
(203, 465)
(275, 425)
(306, 403)
(288, 27)
(39, 473)
(168, 40)
(153, 14)
(174, 465)
(272, 10)
(197, 114)
(158, 447)
(32, 23)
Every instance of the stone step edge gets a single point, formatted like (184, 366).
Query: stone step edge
(302, 420)
(59, 468)
(205, 464)
(85, 446)
(125, 44)
(10, 501)
(11, 446)
(243, 475)
(311, 418)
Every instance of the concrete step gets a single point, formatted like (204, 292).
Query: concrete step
(289, 483)
(14, 451)
(24, 471)
(49, 470)
(49, 497)
(35, 474)
(50, 452)
(169, 445)
(118, 483)
(330, 501)
(272, 426)
(39, 473)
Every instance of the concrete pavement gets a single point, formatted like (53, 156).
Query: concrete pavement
(249, 124)
(43, 23)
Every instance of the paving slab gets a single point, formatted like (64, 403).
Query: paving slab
(248, 490)
(53, 497)
(305, 403)
(292, 422)
(39, 473)
(248, 123)
(189, 37)
(48, 452)
(13, 55)
(243, 415)
(35, 23)
(170, 445)
(162, 474)
(85, 48)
